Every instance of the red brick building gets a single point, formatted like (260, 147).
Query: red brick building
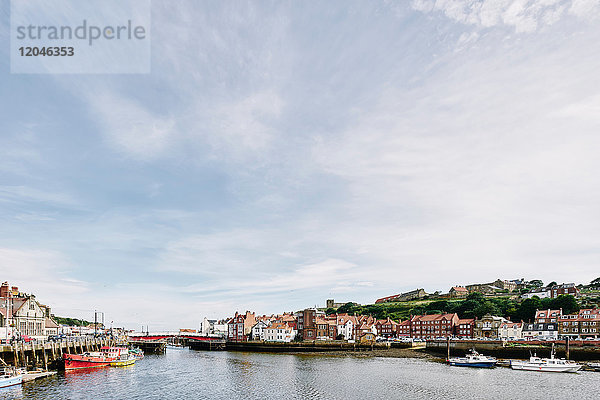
(240, 326)
(464, 328)
(565, 288)
(387, 328)
(433, 326)
(403, 329)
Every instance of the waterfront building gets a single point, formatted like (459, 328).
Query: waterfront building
(546, 316)
(213, 327)
(387, 328)
(24, 314)
(367, 337)
(51, 327)
(240, 326)
(487, 326)
(364, 325)
(287, 318)
(433, 326)
(279, 332)
(403, 329)
(583, 324)
(464, 328)
(258, 330)
(307, 323)
(541, 331)
(510, 331)
(346, 326)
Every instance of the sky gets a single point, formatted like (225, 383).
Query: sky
(282, 153)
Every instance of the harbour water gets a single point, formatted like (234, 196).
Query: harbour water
(188, 374)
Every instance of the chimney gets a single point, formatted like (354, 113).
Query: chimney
(4, 290)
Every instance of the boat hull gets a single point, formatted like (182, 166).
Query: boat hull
(478, 364)
(122, 363)
(74, 361)
(12, 381)
(545, 368)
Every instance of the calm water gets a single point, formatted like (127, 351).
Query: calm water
(186, 374)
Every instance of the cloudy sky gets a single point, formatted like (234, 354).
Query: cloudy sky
(282, 153)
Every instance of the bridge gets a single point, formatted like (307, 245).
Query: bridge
(152, 336)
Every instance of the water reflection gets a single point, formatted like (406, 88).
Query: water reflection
(184, 374)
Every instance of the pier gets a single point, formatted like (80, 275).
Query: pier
(154, 346)
(47, 355)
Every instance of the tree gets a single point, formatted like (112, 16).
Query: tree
(527, 309)
(595, 283)
(487, 307)
(475, 296)
(536, 283)
(552, 284)
(441, 305)
(347, 308)
(567, 302)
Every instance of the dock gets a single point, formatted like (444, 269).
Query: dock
(46, 355)
(31, 376)
(150, 346)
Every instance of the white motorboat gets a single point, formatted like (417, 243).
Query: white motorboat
(10, 377)
(473, 359)
(595, 366)
(546, 364)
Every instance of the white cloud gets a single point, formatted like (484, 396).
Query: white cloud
(132, 128)
(522, 15)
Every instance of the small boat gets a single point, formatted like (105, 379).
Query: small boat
(123, 361)
(9, 377)
(595, 366)
(137, 353)
(546, 364)
(473, 359)
(120, 356)
(95, 359)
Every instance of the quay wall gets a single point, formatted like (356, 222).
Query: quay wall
(47, 355)
(310, 346)
(515, 349)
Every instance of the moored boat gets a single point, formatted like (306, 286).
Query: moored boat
(137, 353)
(473, 359)
(86, 360)
(10, 377)
(595, 366)
(545, 364)
(120, 355)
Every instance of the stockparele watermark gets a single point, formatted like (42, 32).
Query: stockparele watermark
(75, 36)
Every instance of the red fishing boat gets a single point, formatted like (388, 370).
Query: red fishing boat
(87, 360)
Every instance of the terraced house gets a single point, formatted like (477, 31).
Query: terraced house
(584, 324)
(488, 326)
(433, 326)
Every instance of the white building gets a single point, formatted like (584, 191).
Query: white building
(213, 327)
(540, 331)
(542, 294)
(258, 330)
(279, 332)
(346, 326)
(510, 331)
